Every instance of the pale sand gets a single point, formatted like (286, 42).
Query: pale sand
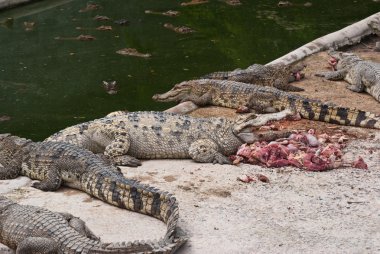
(298, 211)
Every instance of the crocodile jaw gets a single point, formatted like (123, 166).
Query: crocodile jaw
(243, 125)
(172, 95)
(247, 136)
(177, 93)
(2, 136)
(339, 55)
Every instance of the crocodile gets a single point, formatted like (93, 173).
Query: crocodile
(126, 137)
(263, 99)
(57, 163)
(32, 229)
(278, 75)
(362, 76)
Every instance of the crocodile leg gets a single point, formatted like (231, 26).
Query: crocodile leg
(38, 245)
(355, 83)
(355, 88)
(280, 84)
(52, 175)
(117, 152)
(333, 75)
(205, 151)
(79, 226)
(52, 181)
(262, 102)
(201, 101)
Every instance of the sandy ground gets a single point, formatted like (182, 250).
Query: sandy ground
(296, 212)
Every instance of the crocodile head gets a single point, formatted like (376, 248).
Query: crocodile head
(340, 60)
(177, 93)
(4, 203)
(242, 128)
(244, 125)
(339, 55)
(11, 152)
(9, 146)
(8, 139)
(294, 72)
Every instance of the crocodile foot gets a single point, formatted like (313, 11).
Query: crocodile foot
(126, 160)
(206, 151)
(221, 159)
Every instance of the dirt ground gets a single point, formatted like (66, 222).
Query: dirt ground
(335, 91)
(296, 212)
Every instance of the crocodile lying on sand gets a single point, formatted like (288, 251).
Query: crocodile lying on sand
(360, 74)
(278, 76)
(31, 229)
(57, 163)
(233, 94)
(160, 135)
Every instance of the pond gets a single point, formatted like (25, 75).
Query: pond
(47, 84)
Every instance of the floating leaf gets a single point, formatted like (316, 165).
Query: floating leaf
(104, 28)
(101, 18)
(132, 52)
(4, 118)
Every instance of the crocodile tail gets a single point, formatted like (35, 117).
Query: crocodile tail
(319, 111)
(156, 246)
(291, 88)
(134, 196)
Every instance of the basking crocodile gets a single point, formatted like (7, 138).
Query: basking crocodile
(233, 94)
(278, 76)
(57, 163)
(31, 229)
(160, 135)
(360, 74)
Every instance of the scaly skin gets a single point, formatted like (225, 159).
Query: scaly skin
(265, 99)
(57, 163)
(160, 135)
(278, 76)
(31, 229)
(362, 76)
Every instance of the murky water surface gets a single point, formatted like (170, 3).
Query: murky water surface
(48, 84)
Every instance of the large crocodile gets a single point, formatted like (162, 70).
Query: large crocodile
(233, 94)
(31, 229)
(278, 75)
(57, 163)
(360, 74)
(160, 135)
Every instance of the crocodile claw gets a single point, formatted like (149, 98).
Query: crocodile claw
(221, 159)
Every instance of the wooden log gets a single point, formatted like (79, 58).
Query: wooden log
(349, 35)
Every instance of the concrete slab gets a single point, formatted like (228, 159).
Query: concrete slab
(298, 211)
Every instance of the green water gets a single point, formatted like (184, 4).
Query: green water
(47, 84)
